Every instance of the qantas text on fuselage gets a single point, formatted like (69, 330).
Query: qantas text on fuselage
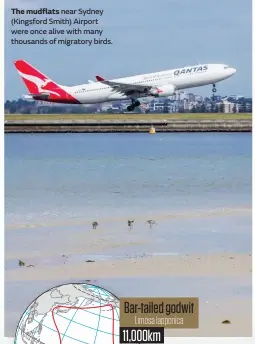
(162, 84)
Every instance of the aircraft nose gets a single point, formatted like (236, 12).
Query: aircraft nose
(232, 71)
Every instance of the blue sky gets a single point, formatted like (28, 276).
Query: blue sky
(148, 36)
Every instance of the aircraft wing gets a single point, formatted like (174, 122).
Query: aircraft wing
(123, 87)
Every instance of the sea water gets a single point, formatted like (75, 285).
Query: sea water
(195, 186)
(190, 184)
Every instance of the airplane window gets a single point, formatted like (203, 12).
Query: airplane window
(226, 67)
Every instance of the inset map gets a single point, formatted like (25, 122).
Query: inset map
(71, 313)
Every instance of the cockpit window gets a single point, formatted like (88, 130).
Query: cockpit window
(225, 67)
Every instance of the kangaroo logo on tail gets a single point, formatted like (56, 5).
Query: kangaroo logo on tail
(37, 83)
(40, 84)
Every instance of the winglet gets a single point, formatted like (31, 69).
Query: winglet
(99, 78)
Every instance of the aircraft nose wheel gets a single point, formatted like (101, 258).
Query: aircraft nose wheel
(214, 90)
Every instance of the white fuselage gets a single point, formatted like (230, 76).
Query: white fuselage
(182, 78)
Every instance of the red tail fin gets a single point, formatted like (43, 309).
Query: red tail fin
(37, 83)
(33, 79)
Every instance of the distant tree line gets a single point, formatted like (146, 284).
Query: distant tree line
(32, 107)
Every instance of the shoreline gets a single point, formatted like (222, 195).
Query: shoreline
(126, 126)
(199, 199)
(214, 265)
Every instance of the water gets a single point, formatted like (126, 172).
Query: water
(52, 174)
(56, 182)
(196, 187)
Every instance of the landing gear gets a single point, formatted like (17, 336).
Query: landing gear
(133, 105)
(214, 90)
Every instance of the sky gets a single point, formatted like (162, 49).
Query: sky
(148, 36)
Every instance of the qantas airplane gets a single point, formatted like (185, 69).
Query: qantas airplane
(161, 84)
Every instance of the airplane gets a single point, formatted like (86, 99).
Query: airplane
(162, 84)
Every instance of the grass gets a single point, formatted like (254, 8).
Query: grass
(160, 116)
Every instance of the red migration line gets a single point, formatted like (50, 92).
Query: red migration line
(82, 308)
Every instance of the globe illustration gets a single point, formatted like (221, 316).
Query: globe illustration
(71, 313)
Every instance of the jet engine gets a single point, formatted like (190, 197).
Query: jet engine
(163, 91)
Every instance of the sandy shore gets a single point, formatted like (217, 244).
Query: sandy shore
(237, 310)
(219, 280)
(211, 314)
(48, 239)
(233, 265)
